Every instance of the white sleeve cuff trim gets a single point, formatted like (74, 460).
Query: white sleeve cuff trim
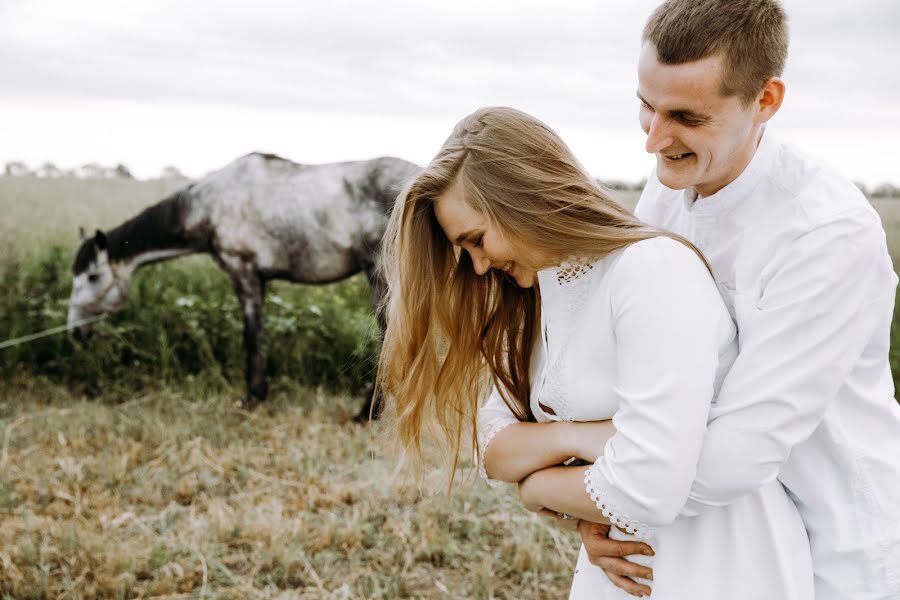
(596, 486)
(491, 430)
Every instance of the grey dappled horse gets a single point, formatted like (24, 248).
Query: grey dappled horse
(261, 217)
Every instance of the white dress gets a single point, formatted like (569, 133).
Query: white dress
(643, 337)
(801, 260)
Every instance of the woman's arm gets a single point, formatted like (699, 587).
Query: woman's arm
(560, 490)
(669, 323)
(520, 449)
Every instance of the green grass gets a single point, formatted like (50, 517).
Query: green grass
(182, 323)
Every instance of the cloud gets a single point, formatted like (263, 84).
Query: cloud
(570, 62)
(388, 58)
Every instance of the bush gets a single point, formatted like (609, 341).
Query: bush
(183, 323)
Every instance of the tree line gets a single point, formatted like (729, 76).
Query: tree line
(91, 170)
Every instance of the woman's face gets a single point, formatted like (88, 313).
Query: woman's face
(470, 230)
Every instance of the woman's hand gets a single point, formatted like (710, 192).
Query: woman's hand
(590, 437)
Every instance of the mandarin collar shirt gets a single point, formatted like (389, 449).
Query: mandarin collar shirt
(800, 258)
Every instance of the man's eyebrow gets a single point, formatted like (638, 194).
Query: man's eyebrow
(683, 112)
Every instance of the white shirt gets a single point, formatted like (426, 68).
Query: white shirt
(800, 258)
(642, 336)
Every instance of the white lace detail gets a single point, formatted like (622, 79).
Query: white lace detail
(573, 268)
(616, 516)
(492, 430)
(578, 290)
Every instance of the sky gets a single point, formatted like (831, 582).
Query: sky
(150, 83)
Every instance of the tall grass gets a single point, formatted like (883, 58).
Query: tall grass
(181, 323)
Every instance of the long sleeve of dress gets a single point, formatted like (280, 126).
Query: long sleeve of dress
(669, 322)
(821, 302)
(493, 416)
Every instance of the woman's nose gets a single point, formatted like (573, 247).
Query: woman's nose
(481, 263)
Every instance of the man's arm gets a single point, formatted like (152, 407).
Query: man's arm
(820, 305)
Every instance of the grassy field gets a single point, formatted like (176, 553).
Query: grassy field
(128, 471)
(175, 494)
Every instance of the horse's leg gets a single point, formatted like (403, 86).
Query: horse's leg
(373, 404)
(251, 291)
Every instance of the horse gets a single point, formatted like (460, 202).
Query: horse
(261, 217)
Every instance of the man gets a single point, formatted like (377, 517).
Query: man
(800, 257)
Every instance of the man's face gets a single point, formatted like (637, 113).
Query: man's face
(701, 139)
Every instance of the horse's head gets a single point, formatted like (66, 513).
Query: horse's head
(97, 288)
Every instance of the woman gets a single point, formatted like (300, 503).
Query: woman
(508, 264)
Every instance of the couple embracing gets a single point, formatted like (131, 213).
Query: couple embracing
(701, 388)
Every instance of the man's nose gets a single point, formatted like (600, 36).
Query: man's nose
(658, 135)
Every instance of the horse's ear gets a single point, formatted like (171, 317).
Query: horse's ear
(100, 240)
(82, 234)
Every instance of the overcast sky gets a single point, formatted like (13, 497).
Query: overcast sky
(197, 83)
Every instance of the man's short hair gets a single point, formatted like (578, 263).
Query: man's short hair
(750, 35)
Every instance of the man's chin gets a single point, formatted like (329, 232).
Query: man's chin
(672, 180)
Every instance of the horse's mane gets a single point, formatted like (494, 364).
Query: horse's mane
(156, 227)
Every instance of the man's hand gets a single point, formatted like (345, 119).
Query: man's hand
(607, 554)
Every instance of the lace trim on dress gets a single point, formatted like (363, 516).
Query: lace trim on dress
(492, 430)
(573, 268)
(553, 392)
(594, 488)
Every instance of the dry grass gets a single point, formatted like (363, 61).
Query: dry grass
(169, 496)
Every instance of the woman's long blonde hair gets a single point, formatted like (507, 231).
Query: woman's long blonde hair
(450, 332)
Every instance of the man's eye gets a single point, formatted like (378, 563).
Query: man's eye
(645, 105)
(689, 121)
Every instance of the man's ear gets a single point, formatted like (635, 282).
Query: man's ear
(770, 99)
